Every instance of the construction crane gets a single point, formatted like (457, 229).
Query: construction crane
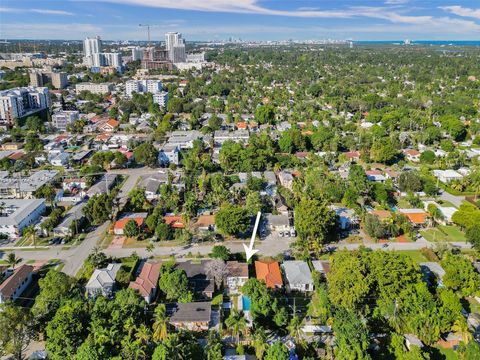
(148, 30)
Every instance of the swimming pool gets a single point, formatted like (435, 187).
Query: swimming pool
(246, 302)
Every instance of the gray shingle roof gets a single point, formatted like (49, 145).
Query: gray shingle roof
(297, 272)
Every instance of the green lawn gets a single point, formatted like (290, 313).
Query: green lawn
(443, 234)
(416, 255)
(447, 354)
(402, 203)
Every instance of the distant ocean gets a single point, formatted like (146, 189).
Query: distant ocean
(424, 42)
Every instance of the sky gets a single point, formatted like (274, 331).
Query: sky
(245, 19)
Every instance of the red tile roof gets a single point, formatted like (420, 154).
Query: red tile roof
(120, 224)
(417, 218)
(269, 272)
(147, 281)
(175, 222)
(382, 214)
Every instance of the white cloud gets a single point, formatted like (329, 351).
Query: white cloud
(38, 11)
(52, 12)
(396, 2)
(252, 7)
(462, 11)
(47, 30)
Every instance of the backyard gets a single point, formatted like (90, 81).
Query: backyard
(444, 233)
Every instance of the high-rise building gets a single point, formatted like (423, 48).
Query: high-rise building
(95, 58)
(179, 54)
(175, 46)
(20, 102)
(58, 80)
(91, 46)
(137, 53)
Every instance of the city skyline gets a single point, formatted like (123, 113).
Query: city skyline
(246, 19)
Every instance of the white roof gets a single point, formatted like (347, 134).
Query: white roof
(16, 210)
(297, 272)
(104, 277)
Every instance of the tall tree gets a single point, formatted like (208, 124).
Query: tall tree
(16, 324)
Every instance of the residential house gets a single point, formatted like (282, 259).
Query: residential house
(269, 272)
(169, 154)
(193, 316)
(352, 156)
(346, 218)
(238, 136)
(450, 341)
(205, 223)
(75, 183)
(418, 217)
(109, 126)
(286, 179)
(446, 211)
(280, 223)
(381, 214)
(102, 281)
(176, 222)
(152, 183)
(198, 279)
(412, 155)
(412, 340)
(298, 276)
(15, 284)
(67, 225)
(391, 174)
(103, 186)
(447, 176)
(375, 176)
(147, 281)
(321, 266)
(119, 226)
(237, 276)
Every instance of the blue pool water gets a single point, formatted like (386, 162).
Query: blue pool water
(246, 302)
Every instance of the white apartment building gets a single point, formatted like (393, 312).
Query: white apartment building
(19, 102)
(175, 46)
(137, 53)
(161, 98)
(94, 88)
(91, 46)
(196, 58)
(18, 214)
(61, 119)
(143, 86)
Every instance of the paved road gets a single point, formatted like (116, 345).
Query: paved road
(455, 200)
(74, 257)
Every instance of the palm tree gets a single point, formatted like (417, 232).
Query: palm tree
(460, 327)
(260, 342)
(30, 232)
(160, 321)
(237, 324)
(12, 260)
(295, 328)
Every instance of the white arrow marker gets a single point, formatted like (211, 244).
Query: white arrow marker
(249, 250)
